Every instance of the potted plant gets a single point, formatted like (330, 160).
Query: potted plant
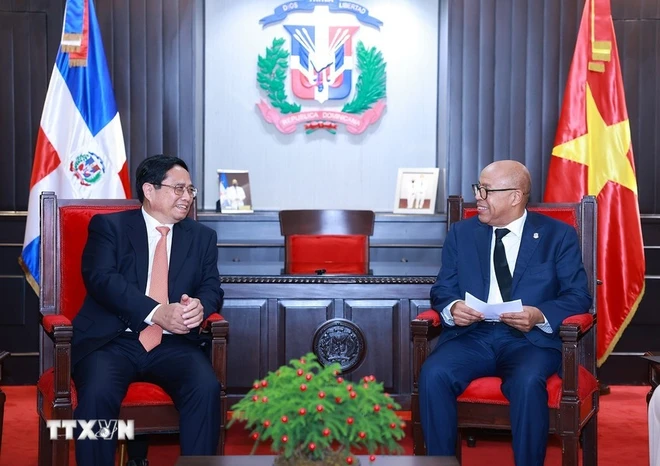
(313, 416)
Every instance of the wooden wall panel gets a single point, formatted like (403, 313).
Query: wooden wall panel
(153, 50)
(507, 65)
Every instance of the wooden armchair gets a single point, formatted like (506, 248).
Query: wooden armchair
(63, 236)
(573, 400)
(326, 241)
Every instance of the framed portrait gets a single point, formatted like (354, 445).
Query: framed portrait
(416, 191)
(234, 195)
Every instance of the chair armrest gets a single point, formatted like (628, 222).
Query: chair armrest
(218, 327)
(578, 348)
(57, 327)
(583, 322)
(210, 320)
(425, 327)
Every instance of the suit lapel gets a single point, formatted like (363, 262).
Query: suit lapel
(531, 236)
(137, 235)
(482, 237)
(181, 241)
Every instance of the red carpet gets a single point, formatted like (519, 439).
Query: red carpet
(622, 435)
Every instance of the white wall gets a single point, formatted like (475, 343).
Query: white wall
(319, 170)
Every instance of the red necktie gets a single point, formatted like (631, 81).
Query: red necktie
(151, 336)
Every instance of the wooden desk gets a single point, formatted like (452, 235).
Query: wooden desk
(263, 460)
(273, 319)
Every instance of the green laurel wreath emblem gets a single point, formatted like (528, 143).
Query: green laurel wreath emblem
(370, 86)
(272, 74)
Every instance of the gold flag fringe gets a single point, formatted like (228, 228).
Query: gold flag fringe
(28, 276)
(625, 323)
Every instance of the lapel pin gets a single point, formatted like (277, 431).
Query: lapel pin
(536, 236)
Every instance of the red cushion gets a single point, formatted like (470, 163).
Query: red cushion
(51, 320)
(565, 214)
(139, 394)
(337, 254)
(431, 315)
(583, 321)
(487, 389)
(74, 221)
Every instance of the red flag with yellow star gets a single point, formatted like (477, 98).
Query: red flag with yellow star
(593, 156)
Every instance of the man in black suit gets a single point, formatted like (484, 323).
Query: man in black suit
(151, 277)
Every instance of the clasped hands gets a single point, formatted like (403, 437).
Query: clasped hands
(523, 321)
(180, 317)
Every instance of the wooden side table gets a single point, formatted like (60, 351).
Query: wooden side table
(3, 355)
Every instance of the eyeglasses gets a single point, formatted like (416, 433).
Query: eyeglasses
(179, 188)
(483, 191)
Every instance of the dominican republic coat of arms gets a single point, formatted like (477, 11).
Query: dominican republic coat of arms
(323, 63)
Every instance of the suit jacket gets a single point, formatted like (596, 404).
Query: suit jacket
(549, 273)
(115, 263)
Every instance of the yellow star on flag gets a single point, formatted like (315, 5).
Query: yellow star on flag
(603, 149)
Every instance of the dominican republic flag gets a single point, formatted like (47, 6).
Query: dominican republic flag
(80, 149)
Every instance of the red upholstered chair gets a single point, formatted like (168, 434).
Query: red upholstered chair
(573, 400)
(63, 236)
(326, 241)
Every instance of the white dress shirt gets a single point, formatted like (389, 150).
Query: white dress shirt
(511, 244)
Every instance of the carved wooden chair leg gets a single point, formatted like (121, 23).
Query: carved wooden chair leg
(45, 444)
(570, 447)
(590, 437)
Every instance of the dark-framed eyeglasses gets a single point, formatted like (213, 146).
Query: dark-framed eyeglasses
(179, 189)
(483, 191)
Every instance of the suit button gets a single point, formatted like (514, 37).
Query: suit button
(119, 331)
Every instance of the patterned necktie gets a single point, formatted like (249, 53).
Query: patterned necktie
(501, 265)
(151, 336)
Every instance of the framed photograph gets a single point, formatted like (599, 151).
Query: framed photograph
(416, 191)
(234, 194)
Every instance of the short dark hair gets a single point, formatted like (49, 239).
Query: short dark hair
(153, 170)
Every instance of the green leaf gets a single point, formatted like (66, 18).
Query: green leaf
(271, 77)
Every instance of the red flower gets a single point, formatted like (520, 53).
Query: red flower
(350, 421)
(321, 394)
(326, 432)
(302, 411)
(376, 408)
(285, 419)
(303, 387)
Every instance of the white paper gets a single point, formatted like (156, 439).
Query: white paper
(492, 311)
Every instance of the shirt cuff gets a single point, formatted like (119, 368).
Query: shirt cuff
(147, 320)
(545, 326)
(446, 314)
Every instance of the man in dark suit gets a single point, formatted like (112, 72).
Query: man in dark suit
(504, 254)
(151, 277)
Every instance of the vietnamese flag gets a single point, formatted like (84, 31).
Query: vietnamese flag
(592, 155)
